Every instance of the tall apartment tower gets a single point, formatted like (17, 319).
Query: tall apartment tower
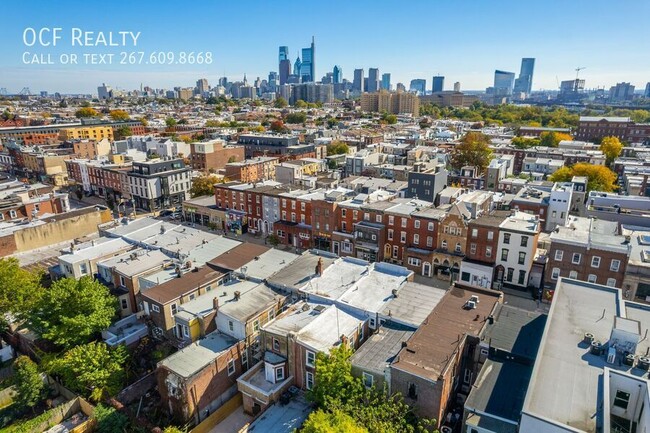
(284, 68)
(385, 81)
(524, 84)
(357, 83)
(438, 84)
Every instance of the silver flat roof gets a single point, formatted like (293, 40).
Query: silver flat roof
(193, 358)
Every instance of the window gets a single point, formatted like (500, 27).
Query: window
(591, 278)
(256, 325)
(192, 296)
(575, 259)
(368, 380)
(309, 380)
(413, 391)
(510, 274)
(430, 226)
(372, 324)
(504, 255)
(402, 237)
(458, 247)
(174, 308)
(391, 220)
(522, 278)
(13, 214)
(429, 241)
(155, 308)
(555, 273)
(244, 358)
(395, 251)
(416, 239)
(472, 248)
(378, 218)
(186, 331)
(524, 241)
(465, 276)
(558, 255)
(343, 213)
(490, 235)
(622, 399)
(310, 359)
(366, 216)
(474, 233)
(615, 265)
(390, 234)
(506, 238)
(276, 345)
(595, 262)
(279, 373)
(611, 282)
(231, 326)
(443, 244)
(467, 377)
(231, 367)
(573, 275)
(403, 222)
(125, 304)
(522, 258)
(488, 251)
(355, 214)
(414, 261)
(271, 315)
(83, 268)
(416, 224)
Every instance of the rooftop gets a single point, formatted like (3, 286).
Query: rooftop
(193, 358)
(379, 351)
(237, 257)
(300, 271)
(136, 262)
(515, 331)
(591, 232)
(101, 247)
(434, 343)
(413, 304)
(325, 331)
(177, 287)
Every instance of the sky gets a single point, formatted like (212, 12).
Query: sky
(463, 40)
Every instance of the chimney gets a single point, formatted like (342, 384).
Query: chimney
(237, 295)
(319, 266)
(215, 303)
(344, 340)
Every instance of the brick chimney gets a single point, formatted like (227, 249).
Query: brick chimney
(215, 303)
(319, 266)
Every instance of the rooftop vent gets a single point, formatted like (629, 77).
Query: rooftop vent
(319, 308)
(237, 295)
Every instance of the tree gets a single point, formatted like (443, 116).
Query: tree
(86, 112)
(27, 382)
(203, 185)
(337, 148)
(119, 115)
(473, 150)
(525, 142)
(259, 129)
(109, 420)
(390, 119)
(172, 429)
(123, 132)
(336, 389)
(233, 158)
(611, 148)
(92, 369)
(552, 138)
(144, 121)
(72, 311)
(280, 102)
(296, 117)
(170, 122)
(278, 126)
(599, 177)
(19, 289)
(300, 104)
(334, 422)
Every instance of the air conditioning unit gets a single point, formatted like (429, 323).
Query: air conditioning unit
(445, 429)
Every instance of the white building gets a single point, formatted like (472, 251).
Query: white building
(516, 249)
(559, 205)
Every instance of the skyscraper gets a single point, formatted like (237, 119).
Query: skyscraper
(524, 83)
(373, 79)
(307, 67)
(357, 83)
(297, 65)
(457, 86)
(385, 81)
(284, 64)
(503, 83)
(201, 86)
(438, 84)
(418, 85)
(337, 75)
(646, 94)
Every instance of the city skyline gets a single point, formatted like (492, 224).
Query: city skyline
(405, 55)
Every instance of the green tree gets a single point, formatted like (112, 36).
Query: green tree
(474, 150)
(390, 119)
(123, 132)
(552, 138)
(611, 148)
(296, 117)
(525, 142)
(337, 148)
(144, 121)
(109, 420)
(19, 289)
(72, 311)
(119, 115)
(300, 104)
(599, 177)
(92, 369)
(203, 185)
(280, 102)
(331, 422)
(171, 122)
(336, 389)
(273, 239)
(86, 112)
(172, 429)
(27, 382)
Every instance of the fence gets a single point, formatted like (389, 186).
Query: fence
(219, 415)
(137, 389)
